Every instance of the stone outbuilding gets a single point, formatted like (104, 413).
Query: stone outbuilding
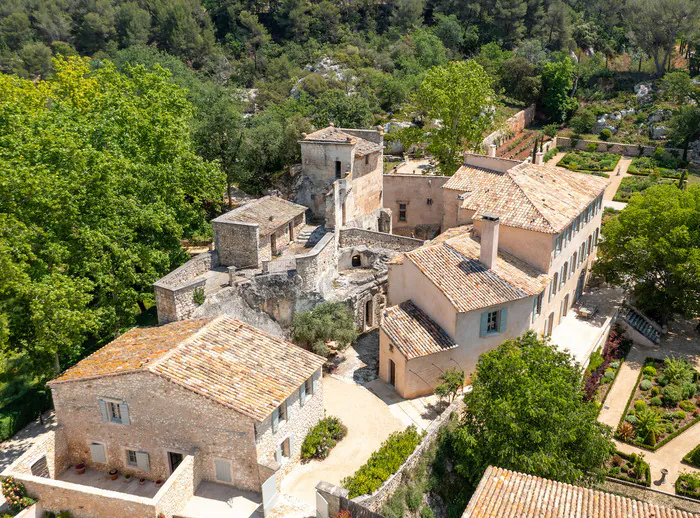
(257, 231)
(235, 399)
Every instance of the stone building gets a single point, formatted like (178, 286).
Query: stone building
(257, 231)
(235, 400)
(523, 242)
(342, 178)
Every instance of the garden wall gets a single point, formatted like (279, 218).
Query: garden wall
(517, 122)
(312, 265)
(612, 147)
(357, 236)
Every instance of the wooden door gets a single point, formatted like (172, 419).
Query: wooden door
(392, 372)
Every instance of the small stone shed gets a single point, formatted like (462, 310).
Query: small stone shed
(257, 231)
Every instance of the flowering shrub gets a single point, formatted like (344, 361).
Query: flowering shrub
(342, 514)
(15, 494)
(322, 438)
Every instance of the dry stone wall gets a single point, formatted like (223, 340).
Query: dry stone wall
(350, 237)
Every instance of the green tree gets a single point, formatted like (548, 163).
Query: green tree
(328, 321)
(557, 83)
(653, 249)
(684, 127)
(679, 88)
(451, 382)
(99, 186)
(133, 24)
(458, 95)
(449, 30)
(526, 412)
(15, 30)
(407, 14)
(343, 110)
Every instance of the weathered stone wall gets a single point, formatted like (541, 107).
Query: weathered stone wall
(618, 148)
(517, 122)
(376, 500)
(164, 417)
(237, 243)
(178, 489)
(300, 419)
(51, 445)
(350, 237)
(423, 198)
(318, 164)
(318, 262)
(191, 269)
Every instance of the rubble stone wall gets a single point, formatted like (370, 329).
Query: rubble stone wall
(356, 236)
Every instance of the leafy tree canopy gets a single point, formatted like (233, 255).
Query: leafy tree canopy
(526, 413)
(653, 249)
(98, 185)
(326, 321)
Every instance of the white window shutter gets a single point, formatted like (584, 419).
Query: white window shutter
(97, 451)
(316, 380)
(142, 461)
(275, 420)
(302, 394)
(103, 410)
(124, 409)
(278, 453)
(223, 470)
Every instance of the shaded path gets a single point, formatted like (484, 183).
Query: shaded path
(14, 448)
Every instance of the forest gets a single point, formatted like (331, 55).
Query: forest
(123, 123)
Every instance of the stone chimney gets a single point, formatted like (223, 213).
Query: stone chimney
(489, 239)
(539, 158)
(492, 150)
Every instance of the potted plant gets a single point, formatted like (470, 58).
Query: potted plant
(80, 468)
(127, 478)
(142, 481)
(113, 474)
(159, 482)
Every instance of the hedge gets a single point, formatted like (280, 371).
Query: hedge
(15, 415)
(383, 463)
(684, 477)
(693, 457)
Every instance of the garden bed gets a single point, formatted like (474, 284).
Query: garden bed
(322, 438)
(590, 162)
(629, 467)
(662, 405)
(604, 366)
(663, 163)
(688, 484)
(632, 184)
(693, 457)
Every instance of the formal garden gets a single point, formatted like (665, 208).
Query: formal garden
(630, 185)
(629, 467)
(590, 162)
(663, 404)
(688, 484)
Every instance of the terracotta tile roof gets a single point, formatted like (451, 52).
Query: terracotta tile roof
(453, 266)
(269, 212)
(332, 134)
(228, 361)
(507, 494)
(542, 198)
(413, 332)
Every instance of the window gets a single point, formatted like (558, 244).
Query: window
(564, 273)
(284, 450)
(555, 285)
(595, 237)
(537, 306)
(279, 415)
(574, 262)
(131, 457)
(402, 212)
(557, 245)
(222, 469)
(337, 169)
(430, 201)
(114, 412)
(493, 322)
(366, 159)
(305, 391)
(589, 247)
(97, 452)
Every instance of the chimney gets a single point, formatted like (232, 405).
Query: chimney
(492, 150)
(539, 158)
(489, 239)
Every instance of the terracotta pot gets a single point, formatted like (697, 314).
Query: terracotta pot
(159, 482)
(80, 468)
(113, 474)
(127, 478)
(142, 481)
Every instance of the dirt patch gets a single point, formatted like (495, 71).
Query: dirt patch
(359, 363)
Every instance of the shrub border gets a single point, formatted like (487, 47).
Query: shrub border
(647, 472)
(597, 172)
(612, 382)
(687, 458)
(683, 492)
(624, 414)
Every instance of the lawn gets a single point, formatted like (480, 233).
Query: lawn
(632, 184)
(662, 405)
(590, 162)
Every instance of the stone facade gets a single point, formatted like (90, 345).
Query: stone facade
(237, 243)
(422, 197)
(316, 264)
(357, 237)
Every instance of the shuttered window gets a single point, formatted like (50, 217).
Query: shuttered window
(222, 470)
(493, 322)
(97, 452)
(143, 462)
(114, 412)
(302, 394)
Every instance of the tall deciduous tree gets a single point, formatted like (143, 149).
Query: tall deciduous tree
(98, 185)
(684, 127)
(557, 83)
(526, 413)
(459, 96)
(653, 249)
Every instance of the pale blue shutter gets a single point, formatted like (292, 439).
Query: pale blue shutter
(223, 470)
(278, 453)
(142, 461)
(503, 320)
(302, 394)
(103, 410)
(124, 410)
(484, 324)
(316, 381)
(97, 452)
(275, 420)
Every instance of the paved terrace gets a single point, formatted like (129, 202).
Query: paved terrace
(101, 480)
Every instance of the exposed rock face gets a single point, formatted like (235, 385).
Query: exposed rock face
(659, 132)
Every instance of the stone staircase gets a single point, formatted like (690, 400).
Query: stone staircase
(641, 324)
(311, 235)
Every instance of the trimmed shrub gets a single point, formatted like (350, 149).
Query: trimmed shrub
(688, 406)
(322, 438)
(693, 457)
(649, 370)
(605, 134)
(688, 390)
(655, 391)
(672, 394)
(631, 419)
(656, 401)
(679, 414)
(645, 385)
(614, 365)
(688, 484)
(383, 463)
(640, 405)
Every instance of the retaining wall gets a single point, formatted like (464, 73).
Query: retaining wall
(312, 265)
(517, 122)
(357, 236)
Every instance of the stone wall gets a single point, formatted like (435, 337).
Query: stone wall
(350, 237)
(237, 243)
(179, 488)
(422, 196)
(300, 419)
(376, 500)
(564, 143)
(163, 417)
(320, 260)
(51, 445)
(516, 123)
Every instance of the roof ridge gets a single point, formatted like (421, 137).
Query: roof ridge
(534, 206)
